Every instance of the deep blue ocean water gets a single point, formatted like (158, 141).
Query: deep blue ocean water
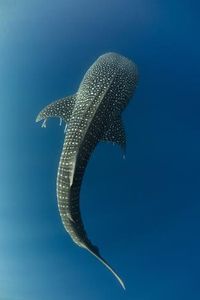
(142, 212)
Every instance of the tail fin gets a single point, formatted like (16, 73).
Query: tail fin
(107, 266)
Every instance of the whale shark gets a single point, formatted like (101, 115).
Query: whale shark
(92, 114)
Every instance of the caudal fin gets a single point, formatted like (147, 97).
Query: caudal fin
(107, 266)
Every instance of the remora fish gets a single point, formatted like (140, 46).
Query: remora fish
(92, 115)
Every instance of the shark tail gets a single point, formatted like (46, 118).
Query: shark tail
(107, 266)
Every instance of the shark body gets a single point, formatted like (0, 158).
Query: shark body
(92, 115)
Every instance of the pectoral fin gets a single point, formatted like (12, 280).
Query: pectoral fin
(116, 133)
(61, 108)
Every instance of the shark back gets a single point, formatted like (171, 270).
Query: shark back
(92, 115)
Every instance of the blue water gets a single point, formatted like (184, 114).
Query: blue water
(142, 212)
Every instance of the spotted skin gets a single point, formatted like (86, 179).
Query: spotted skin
(93, 114)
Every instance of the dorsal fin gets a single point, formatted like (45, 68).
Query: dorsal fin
(60, 108)
(116, 134)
